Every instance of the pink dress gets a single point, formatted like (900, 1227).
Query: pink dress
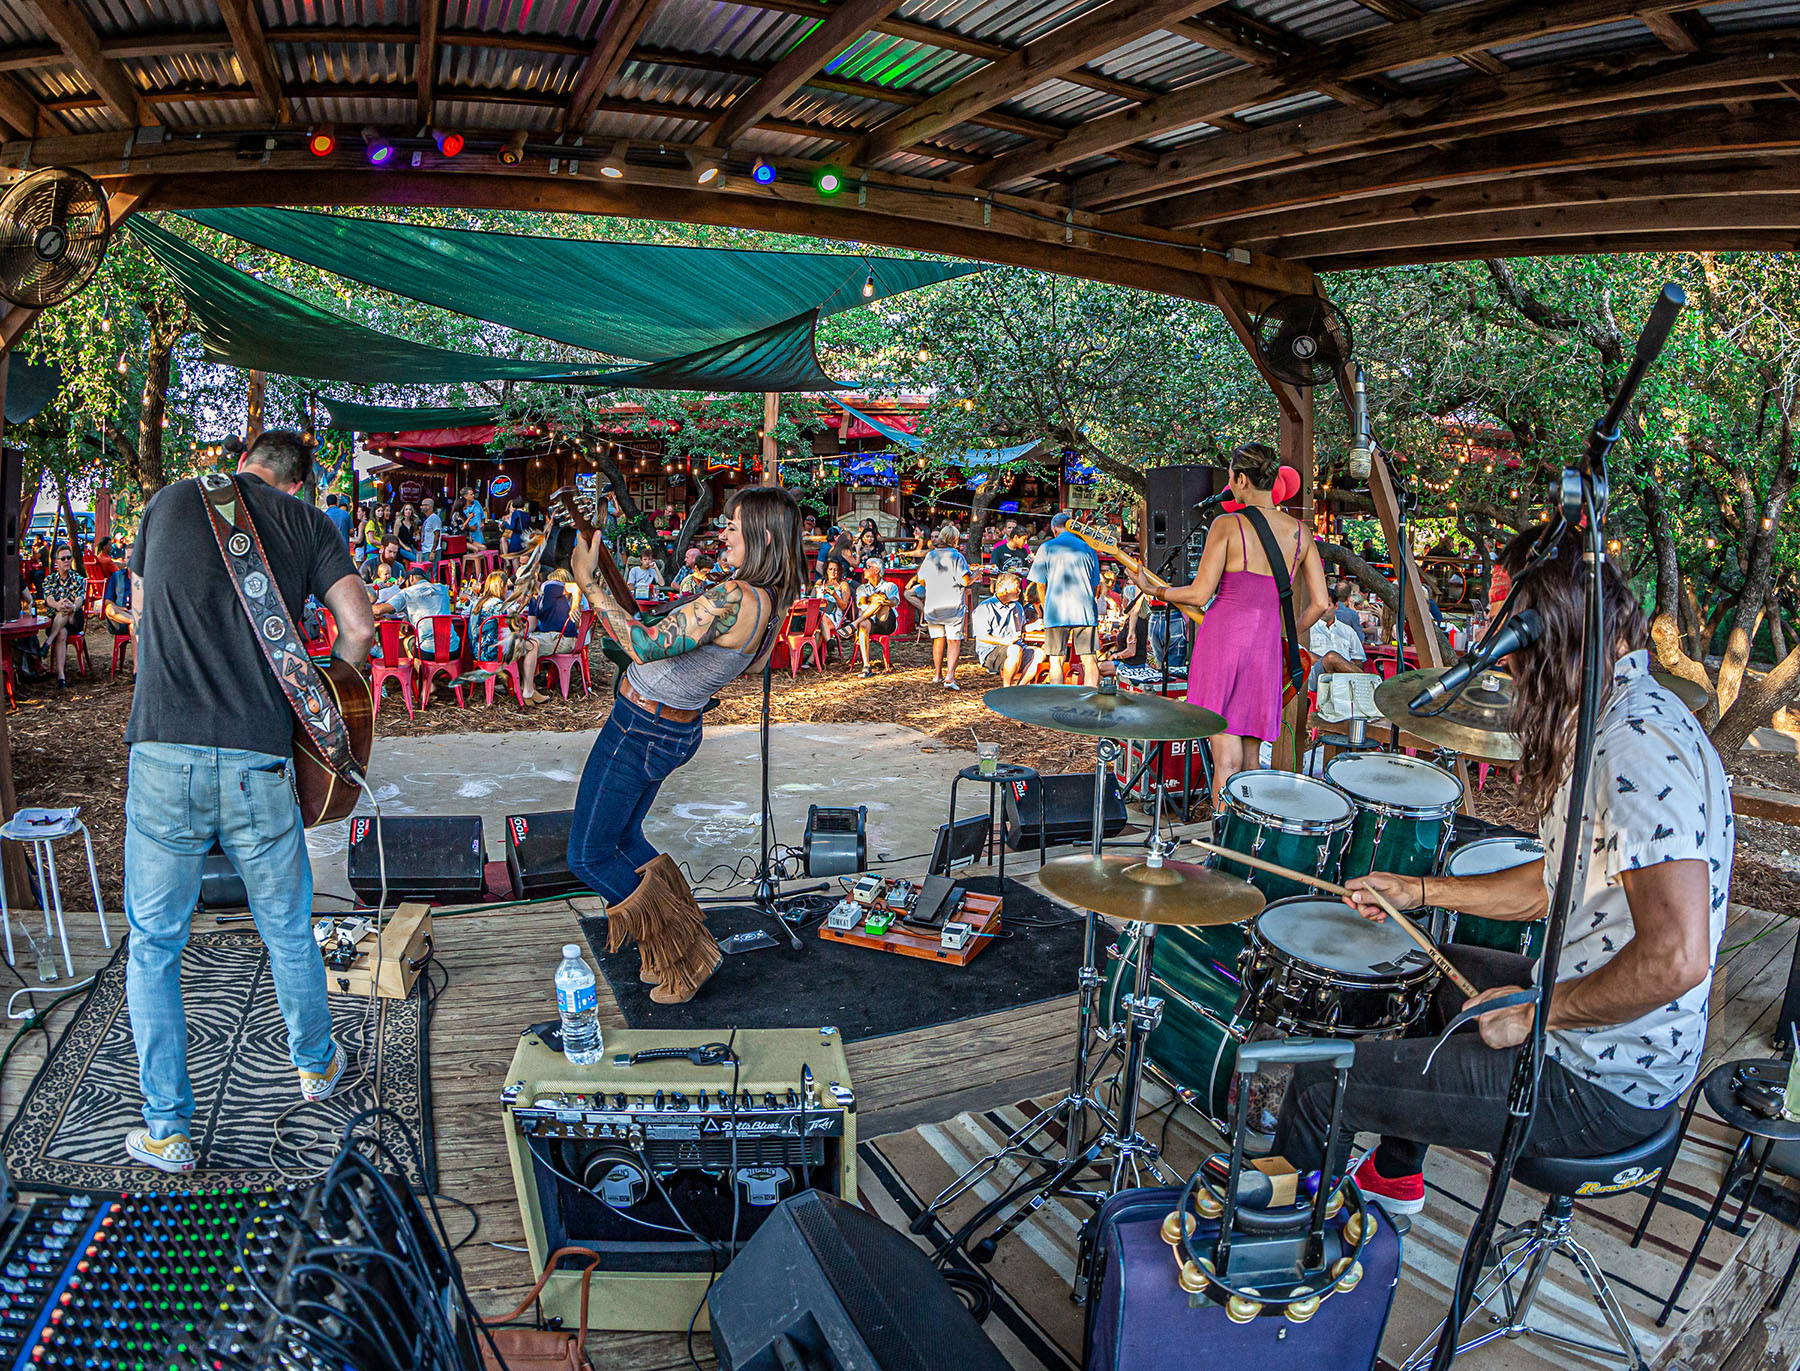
(1236, 667)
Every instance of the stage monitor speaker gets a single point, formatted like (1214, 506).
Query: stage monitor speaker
(434, 857)
(826, 1284)
(221, 888)
(1067, 814)
(537, 854)
(1172, 495)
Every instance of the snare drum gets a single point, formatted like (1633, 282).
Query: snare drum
(1316, 966)
(1194, 972)
(1478, 859)
(1293, 821)
(1404, 811)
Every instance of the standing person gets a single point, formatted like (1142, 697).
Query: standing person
(875, 617)
(676, 668)
(65, 596)
(1627, 1026)
(1067, 574)
(339, 516)
(1236, 669)
(211, 737)
(944, 578)
(1014, 553)
(999, 632)
(431, 530)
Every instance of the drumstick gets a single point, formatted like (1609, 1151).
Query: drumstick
(1457, 979)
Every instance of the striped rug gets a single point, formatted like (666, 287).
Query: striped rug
(1038, 1327)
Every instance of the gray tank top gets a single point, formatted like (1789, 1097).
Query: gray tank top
(693, 678)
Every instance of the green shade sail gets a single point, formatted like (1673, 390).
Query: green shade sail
(347, 414)
(780, 357)
(638, 300)
(245, 322)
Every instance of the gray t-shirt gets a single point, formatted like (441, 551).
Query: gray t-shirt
(202, 679)
(942, 576)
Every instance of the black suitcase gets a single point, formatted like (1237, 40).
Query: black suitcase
(1139, 1318)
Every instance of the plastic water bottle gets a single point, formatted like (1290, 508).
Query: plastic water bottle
(580, 1011)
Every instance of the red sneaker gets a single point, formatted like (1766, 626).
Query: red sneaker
(1395, 1194)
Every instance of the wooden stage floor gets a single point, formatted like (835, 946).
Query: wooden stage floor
(500, 966)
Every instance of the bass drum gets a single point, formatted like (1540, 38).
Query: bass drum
(1479, 858)
(1194, 971)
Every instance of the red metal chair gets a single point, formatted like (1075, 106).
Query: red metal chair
(328, 631)
(125, 642)
(448, 570)
(563, 663)
(886, 641)
(803, 631)
(508, 670)
(78, 649)
(443, 661)
(394, 663)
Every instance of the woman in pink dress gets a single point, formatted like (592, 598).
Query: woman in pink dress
(1236, 667)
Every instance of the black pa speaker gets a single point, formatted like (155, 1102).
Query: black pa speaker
(434, 857)
(1172, 495)
(537, 854)
(827, 1284)
(12, 519)
(1067, 813)
(221, 887)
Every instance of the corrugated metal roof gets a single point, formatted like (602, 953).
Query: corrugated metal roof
(1061, 102)
(186, 70)
(883, 60)
(1163, 61)
(1009, 23)
(333, 64)
(294, 14)
(1277, 110)
(1601, 41)
(737, 31)
(137, 16)
(1423, 76)
(472, 115)
(494, 69)
(1751, 14)
(209, 114)
(1316, 21)
(566, 18)
(20, 24)
(702, 90)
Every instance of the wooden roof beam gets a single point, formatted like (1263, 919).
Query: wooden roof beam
(20, 108)
(618, 33)
(1686, 240)
(847, 22)
(1645, 81)
(431, 15)
(1449, 32)
(73, 33)
(1672, 29)
(1092, 35)
(243, 25)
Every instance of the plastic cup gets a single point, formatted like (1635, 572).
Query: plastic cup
(987, 756)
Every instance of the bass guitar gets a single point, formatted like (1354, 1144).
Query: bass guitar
(1097, 540)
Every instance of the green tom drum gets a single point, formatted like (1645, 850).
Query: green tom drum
(1478, 859)
(1404, 811)
(1291, 820)
(1195, 972)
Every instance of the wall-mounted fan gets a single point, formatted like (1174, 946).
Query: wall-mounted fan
(53, 230)
(1303, 339)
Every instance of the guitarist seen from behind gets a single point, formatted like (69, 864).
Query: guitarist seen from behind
(211, 744)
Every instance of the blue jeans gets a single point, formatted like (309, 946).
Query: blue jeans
(632, 757)
(179, 800)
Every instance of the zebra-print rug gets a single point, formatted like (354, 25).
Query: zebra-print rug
(250, 1126)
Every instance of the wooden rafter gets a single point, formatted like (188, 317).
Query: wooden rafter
(1442, 33)
(1690, 138)
(1779, 239)
(243, 25)
(431, 14)
(73, 33)
(1552, 95)
(1095, 33)
(619, 31)
(19, 107)
(847, 22)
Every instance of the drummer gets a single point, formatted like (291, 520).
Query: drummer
(1628, 1020)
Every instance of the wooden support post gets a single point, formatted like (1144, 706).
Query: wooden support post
(12, 858)
(1297, 446)
(771, 468)
(253, 417)
(1415, 607)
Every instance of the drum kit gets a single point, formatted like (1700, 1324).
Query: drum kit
(1250, 941)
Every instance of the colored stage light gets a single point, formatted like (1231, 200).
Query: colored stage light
(448, 144)
(763, 173)
(512, 151)
(829, 181)
(612, 166)
(322, 141)
(381, 152)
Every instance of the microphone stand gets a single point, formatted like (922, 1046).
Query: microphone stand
(1582, 491)
(1406, 500)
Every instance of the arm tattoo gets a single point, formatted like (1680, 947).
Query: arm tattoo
(703, 620)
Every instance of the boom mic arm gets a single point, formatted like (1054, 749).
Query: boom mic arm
(1521, 630)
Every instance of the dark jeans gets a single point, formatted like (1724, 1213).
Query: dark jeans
(632, 757)
(1462, 1101)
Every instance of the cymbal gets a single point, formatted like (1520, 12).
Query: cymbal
(1176, 893)
(1478, 724)
(1102, 713)
(1695, 697)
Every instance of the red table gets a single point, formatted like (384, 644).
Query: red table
(26, 626)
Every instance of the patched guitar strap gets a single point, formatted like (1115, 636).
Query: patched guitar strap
(272, 626)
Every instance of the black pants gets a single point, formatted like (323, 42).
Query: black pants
(1462, 1101)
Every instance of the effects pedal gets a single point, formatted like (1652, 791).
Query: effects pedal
(878, 923)
(844, 916)
(901, 896)
(955, 936)
(868, 889)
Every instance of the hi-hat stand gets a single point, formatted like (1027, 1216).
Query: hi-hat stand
(1117, 1148)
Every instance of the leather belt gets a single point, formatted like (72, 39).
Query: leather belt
(656, 707)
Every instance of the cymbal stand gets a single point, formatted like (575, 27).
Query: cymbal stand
(1132, 1155)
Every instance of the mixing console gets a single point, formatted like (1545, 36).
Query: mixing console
(134, 1282)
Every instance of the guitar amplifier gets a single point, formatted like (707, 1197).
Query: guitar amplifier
(432, 857)
(1068, 810)
(537, 854)
(626, 1156)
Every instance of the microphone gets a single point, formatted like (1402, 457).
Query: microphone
(1356, 466)
(1521, 630)
(1212, 500)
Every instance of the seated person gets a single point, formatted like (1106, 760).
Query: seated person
(417, 601)
(875, 617)
(385, 566)
(1627, 1026)
(501, 636)
(1335, 646)
(65, 600)
(999, 629)
(115, 605)
(553, 614)
(645, 577)
(698, 575)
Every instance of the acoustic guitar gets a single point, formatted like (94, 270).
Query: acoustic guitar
(325, 796)
(1095, 539)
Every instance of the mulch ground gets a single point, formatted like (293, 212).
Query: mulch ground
(68, 746)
